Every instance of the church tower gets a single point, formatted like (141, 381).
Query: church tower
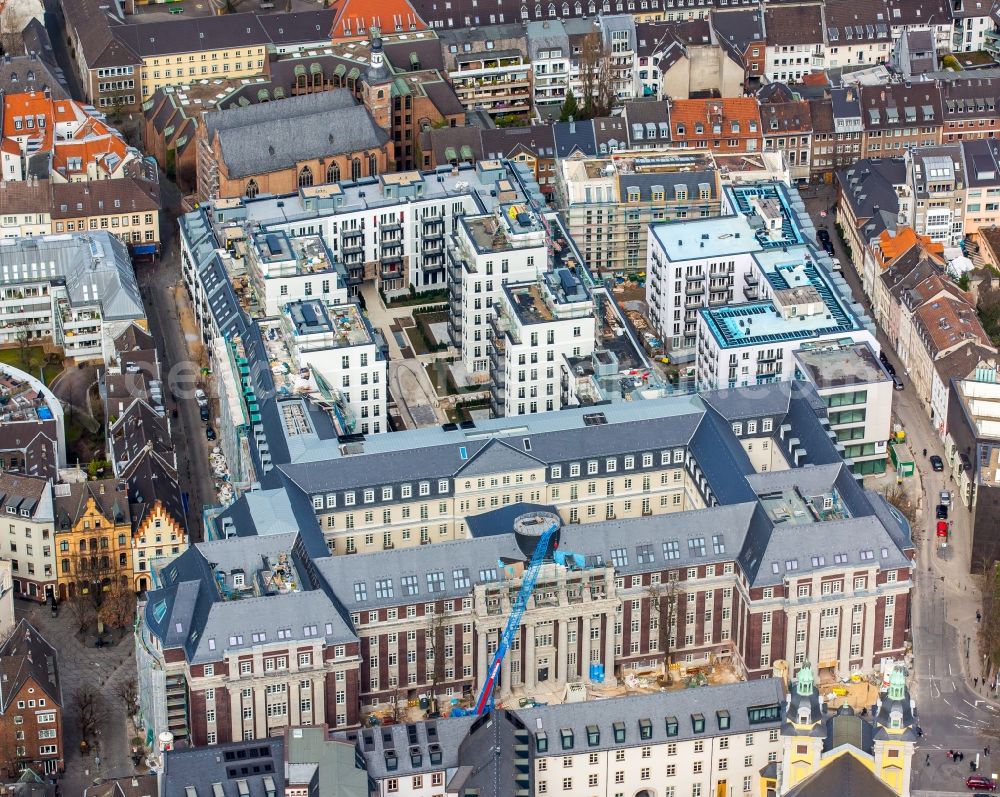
(803, 731)
(376, 90)
(895, 735)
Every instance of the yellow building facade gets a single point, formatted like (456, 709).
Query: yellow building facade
(822, 745)
(93, 537)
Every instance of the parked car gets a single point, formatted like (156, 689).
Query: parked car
(203, 412)
(897, 383)
(828, 246)
(941, 512)
(980, 782)
(936, 463)
(210, 433)
(942, 528)
(823, 236)
(946, 497)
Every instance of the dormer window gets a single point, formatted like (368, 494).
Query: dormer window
(803, 716)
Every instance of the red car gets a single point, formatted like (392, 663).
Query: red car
(942, 528)
(980, 782)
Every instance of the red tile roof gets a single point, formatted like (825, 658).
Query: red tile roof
(354, 19)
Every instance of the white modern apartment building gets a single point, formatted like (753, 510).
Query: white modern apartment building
(487, 251)
(390, 230)
(283, 269)
(718, 268)
(857, 392)
(794, 301)
(78, 291)
(27, 516)
(537, 326)
(335, 353)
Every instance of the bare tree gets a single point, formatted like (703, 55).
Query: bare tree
(663, 599)
(896, 496)
(117, 605)
(23, 337)
(83, 610)
(128, 693)
(91, 711)
(596, 76)
(436, 650)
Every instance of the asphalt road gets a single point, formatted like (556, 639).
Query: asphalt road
(188, 430)
(55, 24)
(951, 714)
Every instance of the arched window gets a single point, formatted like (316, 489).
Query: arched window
(252, 189)
(122, 559)
(305, 177)
(333, 173)
(372, 165)
(356, 169)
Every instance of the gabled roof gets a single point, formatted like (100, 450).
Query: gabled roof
(845, 776)
(575, 137)
(353, 19)
(134, 337)
(108, 496)
(27, 655)
(739, 29)
(271, 136)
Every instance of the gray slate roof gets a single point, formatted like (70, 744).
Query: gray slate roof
(202, 767)
(277, 135)
(83, 260)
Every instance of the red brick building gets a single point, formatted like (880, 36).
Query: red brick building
(31, 704)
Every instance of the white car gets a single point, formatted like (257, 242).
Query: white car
(836, 265)
(946, 497)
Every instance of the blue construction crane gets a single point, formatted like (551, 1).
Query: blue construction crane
(484, 703)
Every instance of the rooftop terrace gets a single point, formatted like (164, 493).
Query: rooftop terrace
(273, 574)
(790, 507)
(537, 303)
(836, 365)
(311, 254)
(372, 193)
(805, 306)
(767, 207)
(340, 325)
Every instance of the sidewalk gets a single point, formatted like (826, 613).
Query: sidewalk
(104, 669)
